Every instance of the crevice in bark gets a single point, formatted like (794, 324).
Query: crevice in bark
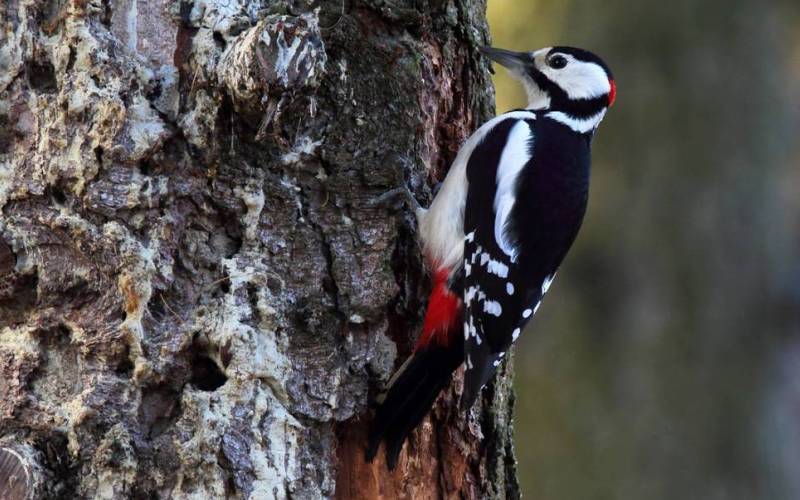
(54, 449)
(105, 17)
(7, 135)
(159, 409)
(405, 311)
(124, 367)
(19, 297)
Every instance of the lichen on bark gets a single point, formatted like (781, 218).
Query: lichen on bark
(197, 298)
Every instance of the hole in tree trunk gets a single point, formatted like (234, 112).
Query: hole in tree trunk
(42, 77)
(206, 374)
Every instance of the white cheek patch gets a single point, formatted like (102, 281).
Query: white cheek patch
(537, 98)
(579, 79)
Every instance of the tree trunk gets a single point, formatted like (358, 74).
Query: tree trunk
(197, 299)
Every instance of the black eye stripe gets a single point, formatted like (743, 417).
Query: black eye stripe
(559, 100)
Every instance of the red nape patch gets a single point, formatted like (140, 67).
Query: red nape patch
(443, 314)
(612, 94)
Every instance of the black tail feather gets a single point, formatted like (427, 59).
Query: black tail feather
(480, 369)
(410, 398)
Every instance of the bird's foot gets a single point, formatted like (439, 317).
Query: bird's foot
(393, 198)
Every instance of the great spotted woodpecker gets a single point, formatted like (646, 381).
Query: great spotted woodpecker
(497, 231)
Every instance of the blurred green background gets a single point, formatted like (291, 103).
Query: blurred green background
(665, 363)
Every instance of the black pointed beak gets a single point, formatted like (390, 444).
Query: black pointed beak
(507, 58)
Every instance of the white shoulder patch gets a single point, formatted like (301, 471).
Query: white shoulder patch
(516, 154)
(441, 226)
(579, 79)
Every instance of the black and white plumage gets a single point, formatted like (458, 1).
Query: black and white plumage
(514, 244)
(497, 231)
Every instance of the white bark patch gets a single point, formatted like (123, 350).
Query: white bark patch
(278, 53)
(304, 146)
(145, 128)
(253, 199)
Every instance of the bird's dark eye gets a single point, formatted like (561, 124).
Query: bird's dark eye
(557, 61)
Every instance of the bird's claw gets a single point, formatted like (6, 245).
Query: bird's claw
(391, 197)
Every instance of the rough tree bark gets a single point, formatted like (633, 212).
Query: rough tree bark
(196, 298)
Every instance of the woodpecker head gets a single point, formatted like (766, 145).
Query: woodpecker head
(572, 81)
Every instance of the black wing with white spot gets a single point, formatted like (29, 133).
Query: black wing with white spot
(516, 235)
